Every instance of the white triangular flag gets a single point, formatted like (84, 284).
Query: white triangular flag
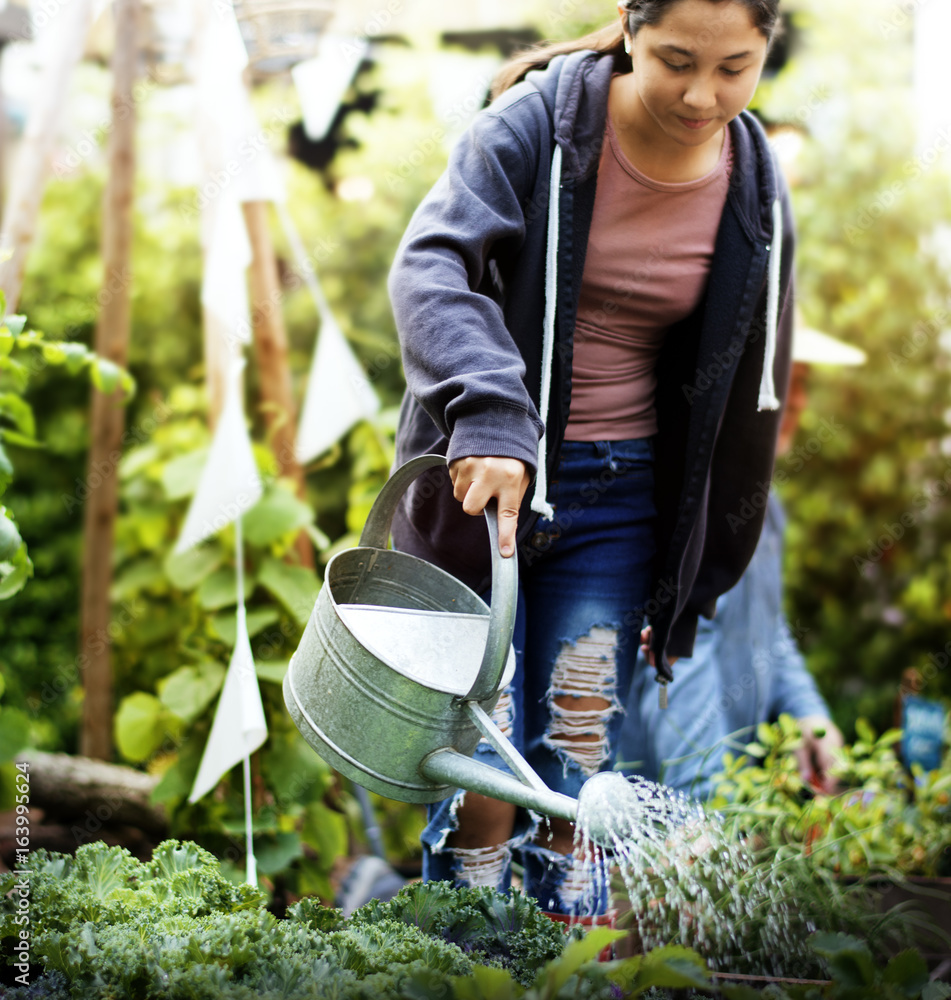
(338, 393)
(239, 727)
(321, 82)
(230, 483)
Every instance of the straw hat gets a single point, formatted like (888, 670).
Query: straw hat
(817, 348)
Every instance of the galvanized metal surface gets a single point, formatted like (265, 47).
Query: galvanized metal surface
(400, 666)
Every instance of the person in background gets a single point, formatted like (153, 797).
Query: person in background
(746, 667)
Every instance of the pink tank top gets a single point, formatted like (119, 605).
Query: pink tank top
(648, 258)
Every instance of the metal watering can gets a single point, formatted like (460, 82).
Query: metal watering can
(400, 666)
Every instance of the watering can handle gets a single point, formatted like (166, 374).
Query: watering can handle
(376, 534)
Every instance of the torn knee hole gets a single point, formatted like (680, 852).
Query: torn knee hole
(482, 866)
(503, 715)
(582, 698)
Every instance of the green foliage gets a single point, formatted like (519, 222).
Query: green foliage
(22, 356)
(882, 820)
(508, 930)
(105, 925)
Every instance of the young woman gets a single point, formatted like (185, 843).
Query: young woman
(594, 304)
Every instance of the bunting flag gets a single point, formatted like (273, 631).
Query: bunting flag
(339, 394)
(239, 727)
(230, 483)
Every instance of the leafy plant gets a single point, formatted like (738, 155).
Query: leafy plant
(508, 930)
(884, 820)
(105, 925)
(22, 354)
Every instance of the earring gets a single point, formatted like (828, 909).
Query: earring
(627, 45)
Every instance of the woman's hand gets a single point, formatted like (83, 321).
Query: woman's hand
(648, 652)
(476, 480)
(821, 739)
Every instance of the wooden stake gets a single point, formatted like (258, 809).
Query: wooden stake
(271, 353)
(108, 416)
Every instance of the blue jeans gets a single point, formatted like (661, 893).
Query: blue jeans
(584, 579)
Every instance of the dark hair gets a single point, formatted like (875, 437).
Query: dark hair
(610, 38)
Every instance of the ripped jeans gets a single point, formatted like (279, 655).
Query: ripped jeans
(584, 579)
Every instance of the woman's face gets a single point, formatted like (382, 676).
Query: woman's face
(696, 69)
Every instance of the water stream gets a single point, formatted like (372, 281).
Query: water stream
(690, 880)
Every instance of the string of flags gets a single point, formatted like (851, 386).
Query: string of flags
(338, 392)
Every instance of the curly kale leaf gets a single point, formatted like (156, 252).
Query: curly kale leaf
(506, 929)
(315, 915)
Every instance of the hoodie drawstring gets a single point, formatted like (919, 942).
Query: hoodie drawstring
(540, 502)
(767, 389)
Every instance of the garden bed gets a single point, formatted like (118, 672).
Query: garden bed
(104, 926)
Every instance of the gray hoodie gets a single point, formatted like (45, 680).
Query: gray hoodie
(485, 290)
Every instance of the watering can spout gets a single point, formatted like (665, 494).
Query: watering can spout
(453, 768)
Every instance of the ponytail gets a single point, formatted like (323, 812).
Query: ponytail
(609, 39)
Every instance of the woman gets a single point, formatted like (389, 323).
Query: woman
(596, 295)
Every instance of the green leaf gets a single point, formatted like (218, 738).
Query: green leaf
(294, 586)
(106, 375)
(15, 323)
(180, 477)
(273, 672)
(672, 967)
(138, 459)
(486, 983)
(14, 573)
(188, 691)
(10, 540)
(325, 831)
(294, 773)
(172, 857)
(141, 725)
(185, 570)
(277, 851)
(132, 580)
(21, 440)
(908, 971)
(274, 515)
(557, 972)
(220, 589)
(14, 732)
(74, 355)
(225, 625)
(127, 384)
(849, 959)
(864, 731)
(936, 991)
(19, 412)
(6, 468)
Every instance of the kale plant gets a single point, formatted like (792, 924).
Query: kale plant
(502, 929)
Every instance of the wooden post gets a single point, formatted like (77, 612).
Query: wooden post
(42, 137)
(270, 348)
(108, 415)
